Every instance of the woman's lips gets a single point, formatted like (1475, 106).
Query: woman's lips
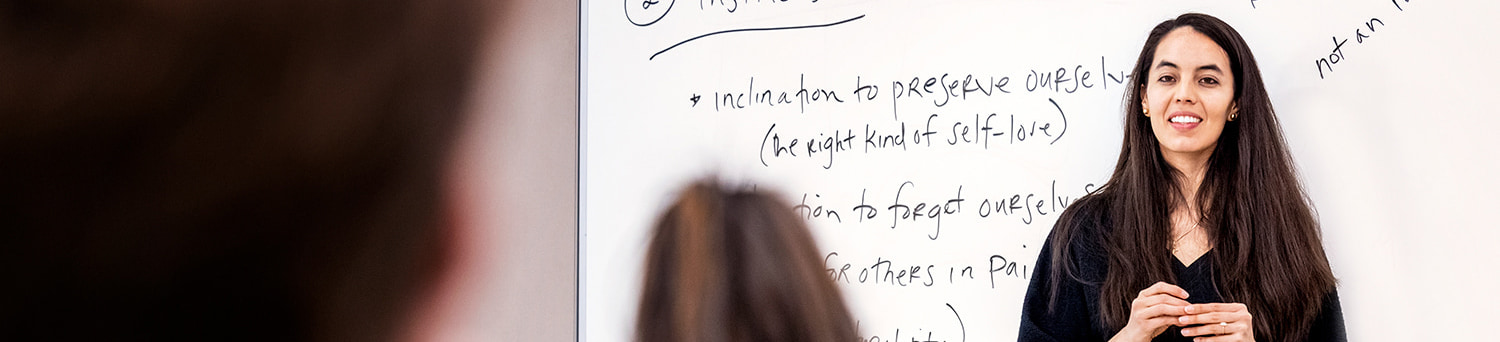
(1184, 121)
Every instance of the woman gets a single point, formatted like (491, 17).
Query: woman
(1203, 230)
(737, 266)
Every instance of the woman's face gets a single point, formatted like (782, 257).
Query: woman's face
(1189, 93)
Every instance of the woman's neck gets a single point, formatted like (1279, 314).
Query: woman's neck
(1190, 243)
(1191, 169)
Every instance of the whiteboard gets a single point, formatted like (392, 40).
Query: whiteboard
(932, 144)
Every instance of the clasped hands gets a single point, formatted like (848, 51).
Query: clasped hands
(1163, 305)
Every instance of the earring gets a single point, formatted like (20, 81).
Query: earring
(1234, 115)
(1146, 111)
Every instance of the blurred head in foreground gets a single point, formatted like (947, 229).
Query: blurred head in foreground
(242, 170)
(727, 265)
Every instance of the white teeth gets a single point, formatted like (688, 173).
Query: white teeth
(1184, 119)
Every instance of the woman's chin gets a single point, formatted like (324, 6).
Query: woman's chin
(1186, 148)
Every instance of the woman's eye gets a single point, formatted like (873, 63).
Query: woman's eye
(1209, 81)
(1165, 79)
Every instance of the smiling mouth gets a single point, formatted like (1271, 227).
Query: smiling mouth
(1185, 119)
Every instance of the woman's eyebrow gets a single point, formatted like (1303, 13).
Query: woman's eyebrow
(1165, 63)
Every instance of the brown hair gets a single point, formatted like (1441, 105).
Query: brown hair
(737, 266)
(1268, 250)
(258, 170)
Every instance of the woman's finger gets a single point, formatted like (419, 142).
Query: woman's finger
(1216, 329)
(1159, 322)
(1216, 307)
(1171, 312)
(1220, 338)
(1211, 318)
(1162, 287)
(1156, 299)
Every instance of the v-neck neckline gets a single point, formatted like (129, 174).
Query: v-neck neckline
(1196, 261)
(1197, 278)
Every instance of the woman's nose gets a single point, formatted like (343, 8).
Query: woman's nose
(1185, 93)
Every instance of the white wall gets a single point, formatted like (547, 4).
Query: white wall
(1395, 144)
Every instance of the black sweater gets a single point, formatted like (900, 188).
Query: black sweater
(1076, 316)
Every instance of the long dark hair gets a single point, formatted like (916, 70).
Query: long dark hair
(1268, 250)
(737, 266)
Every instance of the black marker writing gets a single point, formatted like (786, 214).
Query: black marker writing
(1362, 33)
(888, 272)
(810, 212)
(658, 53)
